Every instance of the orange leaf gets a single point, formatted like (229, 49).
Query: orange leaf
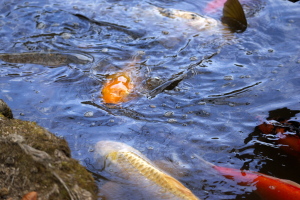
(30, 196)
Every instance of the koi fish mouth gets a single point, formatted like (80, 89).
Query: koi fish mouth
(117, 89)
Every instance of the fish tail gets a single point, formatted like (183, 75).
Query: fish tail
(234, 16)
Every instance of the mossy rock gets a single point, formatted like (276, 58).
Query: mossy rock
(5, 111)
(33, 159)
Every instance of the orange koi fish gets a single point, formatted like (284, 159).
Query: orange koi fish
(287, 133)
(267, 187)
(119, 86)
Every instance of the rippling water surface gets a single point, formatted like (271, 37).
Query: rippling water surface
(227, 83)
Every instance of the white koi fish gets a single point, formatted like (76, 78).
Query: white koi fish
(233, 17)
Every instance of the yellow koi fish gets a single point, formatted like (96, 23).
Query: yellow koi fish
(127, 166)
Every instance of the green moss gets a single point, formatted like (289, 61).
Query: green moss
(35, 136)
(34, 175)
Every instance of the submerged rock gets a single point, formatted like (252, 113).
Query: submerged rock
(33, 159)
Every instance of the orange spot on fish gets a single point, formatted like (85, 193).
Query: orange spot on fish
(117, 88)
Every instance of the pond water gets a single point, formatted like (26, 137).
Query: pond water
(221, 85)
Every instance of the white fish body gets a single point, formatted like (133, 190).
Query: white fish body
(130, 169)
(194, 20)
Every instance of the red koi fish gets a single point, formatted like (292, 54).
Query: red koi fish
(286, 133)
(290, 144)
(267, 187)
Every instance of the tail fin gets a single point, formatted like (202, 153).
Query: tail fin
(234, 16)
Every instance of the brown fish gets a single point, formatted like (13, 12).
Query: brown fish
(48, 59)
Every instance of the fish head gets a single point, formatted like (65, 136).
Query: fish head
(117, 88)
(107, 152)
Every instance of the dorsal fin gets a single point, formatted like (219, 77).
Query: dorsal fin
(234, 16)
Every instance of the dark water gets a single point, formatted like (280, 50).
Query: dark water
(213, 109)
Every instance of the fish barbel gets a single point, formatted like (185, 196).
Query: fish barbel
(132, 168)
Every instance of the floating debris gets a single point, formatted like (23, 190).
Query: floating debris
(41, 25)
(228, 78)
(89, 114)
(169, 114)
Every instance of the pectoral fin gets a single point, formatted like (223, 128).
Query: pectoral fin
(234, 16)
